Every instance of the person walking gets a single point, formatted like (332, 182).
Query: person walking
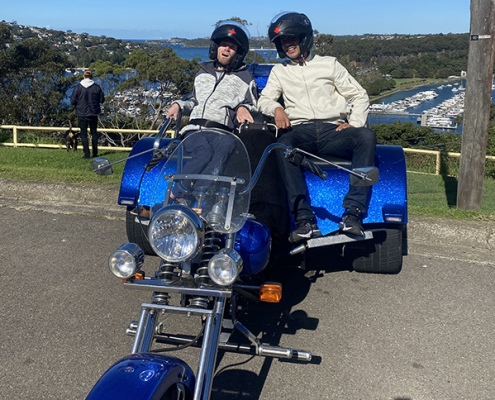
(87, 98)
(317, 93)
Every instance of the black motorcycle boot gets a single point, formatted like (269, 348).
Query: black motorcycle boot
(305, 230)
(351, 222)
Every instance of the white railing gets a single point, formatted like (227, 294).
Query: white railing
(16, 128)
(438, 155)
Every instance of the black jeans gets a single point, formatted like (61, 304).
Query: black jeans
(209, 153)
(357, 144)
(92, 121)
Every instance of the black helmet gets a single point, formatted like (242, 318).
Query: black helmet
(236, 32)
(291, 24)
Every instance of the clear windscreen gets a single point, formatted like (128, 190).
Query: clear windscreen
(208, 173)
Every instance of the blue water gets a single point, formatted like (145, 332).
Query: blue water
(189, 53)
(202, 52)
(443, 94)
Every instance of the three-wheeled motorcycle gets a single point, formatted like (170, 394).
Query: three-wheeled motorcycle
(213, 255)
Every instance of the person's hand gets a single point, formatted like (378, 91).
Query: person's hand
(173, 111)
(282, 121)
(342, 126)
(243, 115)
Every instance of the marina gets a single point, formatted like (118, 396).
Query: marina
(427, 107)
(435, 111)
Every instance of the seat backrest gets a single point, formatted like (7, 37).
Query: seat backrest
(260, 74)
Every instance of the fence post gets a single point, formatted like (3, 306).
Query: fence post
(14, 134)
(438, 164)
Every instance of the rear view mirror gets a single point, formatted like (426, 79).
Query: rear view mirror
(365, 176)
(102, 166)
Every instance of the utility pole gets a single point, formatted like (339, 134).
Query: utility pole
(477, 104)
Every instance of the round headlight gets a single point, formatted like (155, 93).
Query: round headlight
(176, 233)
(126, 260)
(224, 267)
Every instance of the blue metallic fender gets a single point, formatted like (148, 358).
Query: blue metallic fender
(144, 376)
(388, 203)
(135, 181)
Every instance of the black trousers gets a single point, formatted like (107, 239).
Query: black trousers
(320, 138)
(209, 153)
(92, 122)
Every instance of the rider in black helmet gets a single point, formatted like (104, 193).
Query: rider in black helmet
(235, 32)
(223, 97)
(316, 93)
(291, 24)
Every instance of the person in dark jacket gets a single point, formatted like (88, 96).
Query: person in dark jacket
(87, 97)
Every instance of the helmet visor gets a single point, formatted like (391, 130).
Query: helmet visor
(237, 24)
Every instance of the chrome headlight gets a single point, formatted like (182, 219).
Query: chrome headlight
(224, 267)
(126, 260)
(176, 233)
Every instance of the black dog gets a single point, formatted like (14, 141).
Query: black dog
(70, 138)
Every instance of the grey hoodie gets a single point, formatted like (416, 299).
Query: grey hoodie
(217, 95)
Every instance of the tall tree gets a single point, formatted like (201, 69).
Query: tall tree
(33, 84)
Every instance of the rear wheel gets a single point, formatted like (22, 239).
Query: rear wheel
(382, 254)
(138, 233)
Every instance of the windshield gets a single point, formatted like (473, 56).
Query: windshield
(207, 172)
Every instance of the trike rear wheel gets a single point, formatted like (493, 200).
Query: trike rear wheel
(382, 254)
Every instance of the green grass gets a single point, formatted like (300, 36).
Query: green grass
(436, 196)
(56, 165)
(428, 195)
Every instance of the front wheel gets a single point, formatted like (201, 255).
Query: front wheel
(382, 254)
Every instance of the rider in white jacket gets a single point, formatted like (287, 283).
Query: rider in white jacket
(324, 110)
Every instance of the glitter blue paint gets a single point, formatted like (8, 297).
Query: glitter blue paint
(388, 195)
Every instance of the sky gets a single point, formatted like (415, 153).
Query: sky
(164, 19)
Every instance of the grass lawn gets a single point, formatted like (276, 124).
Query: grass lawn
(55, 165)
(436, 196)
(428, 195)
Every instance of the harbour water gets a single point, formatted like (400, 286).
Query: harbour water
(189, 53)
(202, 52)
(443, 92)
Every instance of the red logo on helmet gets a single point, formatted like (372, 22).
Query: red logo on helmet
(232, 31)
(277, 30)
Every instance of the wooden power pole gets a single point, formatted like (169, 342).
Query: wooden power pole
(477, 104)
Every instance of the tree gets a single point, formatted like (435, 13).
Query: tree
(323, 44)
(237, 19)
(34, 85)
(153, 82)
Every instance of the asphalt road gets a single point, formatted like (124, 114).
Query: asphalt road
(426, 333)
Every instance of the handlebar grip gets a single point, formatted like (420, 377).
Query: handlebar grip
(155, 160)
(315, 169)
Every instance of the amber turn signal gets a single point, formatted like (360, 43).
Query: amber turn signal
(138, 276)
(271, 292)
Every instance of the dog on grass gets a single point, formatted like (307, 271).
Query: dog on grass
(71, 139)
